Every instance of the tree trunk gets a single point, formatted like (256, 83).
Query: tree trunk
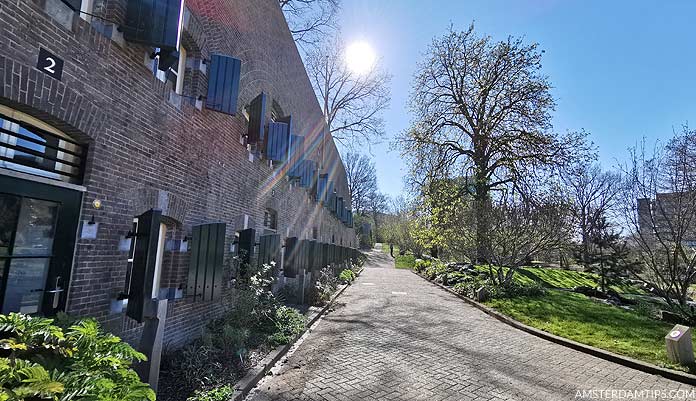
(482, 207)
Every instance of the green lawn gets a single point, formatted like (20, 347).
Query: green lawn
(407, 261)
(563, 278)
(581, 319)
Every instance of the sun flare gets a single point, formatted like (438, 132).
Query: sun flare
(360, 57)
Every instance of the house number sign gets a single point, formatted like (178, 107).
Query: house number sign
(50, 64)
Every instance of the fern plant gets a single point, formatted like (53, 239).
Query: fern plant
(40, 360)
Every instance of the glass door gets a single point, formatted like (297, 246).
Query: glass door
(37, 236)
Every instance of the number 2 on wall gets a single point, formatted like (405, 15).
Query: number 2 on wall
(51, 66)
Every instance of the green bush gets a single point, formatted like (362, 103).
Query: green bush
(222, 393)
(422, 265)
(347, 276)
(436, 272)
(324, 287)
(255, 320)
(647, 309)
(39, 359)
(288, 323)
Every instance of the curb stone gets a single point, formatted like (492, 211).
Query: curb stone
(254, 376)
(675, 375)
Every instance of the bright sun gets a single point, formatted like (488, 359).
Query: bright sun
(360, 57)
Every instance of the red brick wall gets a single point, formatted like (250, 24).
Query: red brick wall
(145, 152)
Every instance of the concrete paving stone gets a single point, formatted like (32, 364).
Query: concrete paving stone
(430, 345)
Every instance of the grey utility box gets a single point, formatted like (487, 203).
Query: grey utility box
(679, 348)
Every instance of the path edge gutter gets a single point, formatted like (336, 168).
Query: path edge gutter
(678, 376)
(254, 376)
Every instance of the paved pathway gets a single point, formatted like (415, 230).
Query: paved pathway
(395, 336)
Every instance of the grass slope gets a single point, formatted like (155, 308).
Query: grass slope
(584, 320)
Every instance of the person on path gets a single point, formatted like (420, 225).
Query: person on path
(391, 250)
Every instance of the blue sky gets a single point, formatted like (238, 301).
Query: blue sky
(621, 70)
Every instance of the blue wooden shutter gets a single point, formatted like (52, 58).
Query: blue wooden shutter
(308, 171)
(257, 119)
(223, 84)
(154, 23)
(322, 184)
(269, 249)
(144, 263)
(295, 155)
(206, 263)
(292, 257)
(339, 207)
(277, 144)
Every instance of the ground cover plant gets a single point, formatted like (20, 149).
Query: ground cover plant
(40, 359)
(254, 323)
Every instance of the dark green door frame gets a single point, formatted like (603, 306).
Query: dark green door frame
(64, 240)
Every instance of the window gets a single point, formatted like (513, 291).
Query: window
(315, 233)
(30, 146)
(270, 219)
(86, 10)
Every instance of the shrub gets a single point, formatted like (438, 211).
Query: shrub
(436, 271)
(347, 276)
(421, 265)
(288, 324)
(647, 309)
(39, 359)
(469, 285)
(324, 287)
(222, 393)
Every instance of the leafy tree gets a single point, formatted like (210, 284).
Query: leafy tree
(482, 111)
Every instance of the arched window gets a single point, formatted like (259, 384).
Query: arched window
(270, 219)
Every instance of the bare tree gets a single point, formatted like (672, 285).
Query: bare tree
(352, 103)
(592, 193)
(523, 227)
(310, 20)
(483, 108)
(659, 206)
(362, 180)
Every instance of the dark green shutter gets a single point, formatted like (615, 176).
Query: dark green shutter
(269, 249)
(291, 263)
(257, 119)
(325, 255)
(73, 4)
(245, 250)
(206, 263)
(144, 263)
(223, 84)
(153, 22)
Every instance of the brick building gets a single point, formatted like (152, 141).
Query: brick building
(140, 141)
